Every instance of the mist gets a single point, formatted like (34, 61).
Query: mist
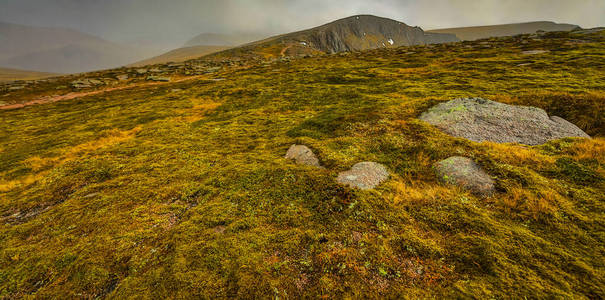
(169, 24)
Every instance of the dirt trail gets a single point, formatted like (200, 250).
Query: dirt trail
(69, 96)
(283, 51)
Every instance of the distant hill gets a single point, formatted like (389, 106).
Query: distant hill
(480, 32)
(14, 74)
(180, 55)
(356, 33)
(60, 50)
(214, 39)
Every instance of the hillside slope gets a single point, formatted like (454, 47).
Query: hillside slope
(59, 50)
(482, 32)
(180, 55)
(14, 74)
(230, 40)
(181, 189)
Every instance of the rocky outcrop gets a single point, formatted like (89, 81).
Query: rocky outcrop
(481, 120)
(364, 175)
(366, 32)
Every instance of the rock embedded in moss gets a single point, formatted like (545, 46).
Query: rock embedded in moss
(464, 172)
(481, 120)
(364, 175)
(303, 155)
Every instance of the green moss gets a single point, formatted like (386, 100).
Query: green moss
(576, 172)
(149, 193)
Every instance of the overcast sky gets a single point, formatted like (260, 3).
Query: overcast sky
(175, 21)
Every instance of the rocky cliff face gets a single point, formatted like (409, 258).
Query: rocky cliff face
(365, 32)
(356, 33)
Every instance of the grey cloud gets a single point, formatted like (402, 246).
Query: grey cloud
(174, 21)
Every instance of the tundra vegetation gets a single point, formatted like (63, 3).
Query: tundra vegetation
(181, 189)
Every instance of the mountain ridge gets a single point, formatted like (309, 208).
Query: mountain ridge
(363, 32)
(486, 31)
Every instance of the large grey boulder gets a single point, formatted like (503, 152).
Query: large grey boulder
(364, 175)
(464, 172)
(302, 155)
(481, 120)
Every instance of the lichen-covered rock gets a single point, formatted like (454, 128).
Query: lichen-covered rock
(364, 175)
(464, 172)
(302, 155)
(481, 120)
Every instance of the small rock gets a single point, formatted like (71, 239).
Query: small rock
(81, 84)
(212, 70)
(219, 229)
(364, 175)
(16, 88)
(302, 155)
(533, 52)
(158, 78)
(122, 77)
(464, 172)
(141, 71)
(95, 82)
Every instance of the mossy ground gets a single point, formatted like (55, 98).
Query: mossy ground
(154, 192)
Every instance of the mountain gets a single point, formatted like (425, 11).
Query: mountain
(14, 74)
(214, 39)
(356, 33)
(481, 32)
(180, 55)
(61, 50)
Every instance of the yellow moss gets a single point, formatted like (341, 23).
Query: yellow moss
(421, 192)
(589, 149)
(113, 136)
(6, 186)
(519, 154)
(199, 110)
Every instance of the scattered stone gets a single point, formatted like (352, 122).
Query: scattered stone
(158, 78)
(364, 175)
(302, 155)
(155, 70)
(80, 84)
(212, 70)
(219, 229)
(464, 172)
(141, 71)
(16, 88)
(481, 120)
(533, 52)
(122, 77)
(95, 82)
